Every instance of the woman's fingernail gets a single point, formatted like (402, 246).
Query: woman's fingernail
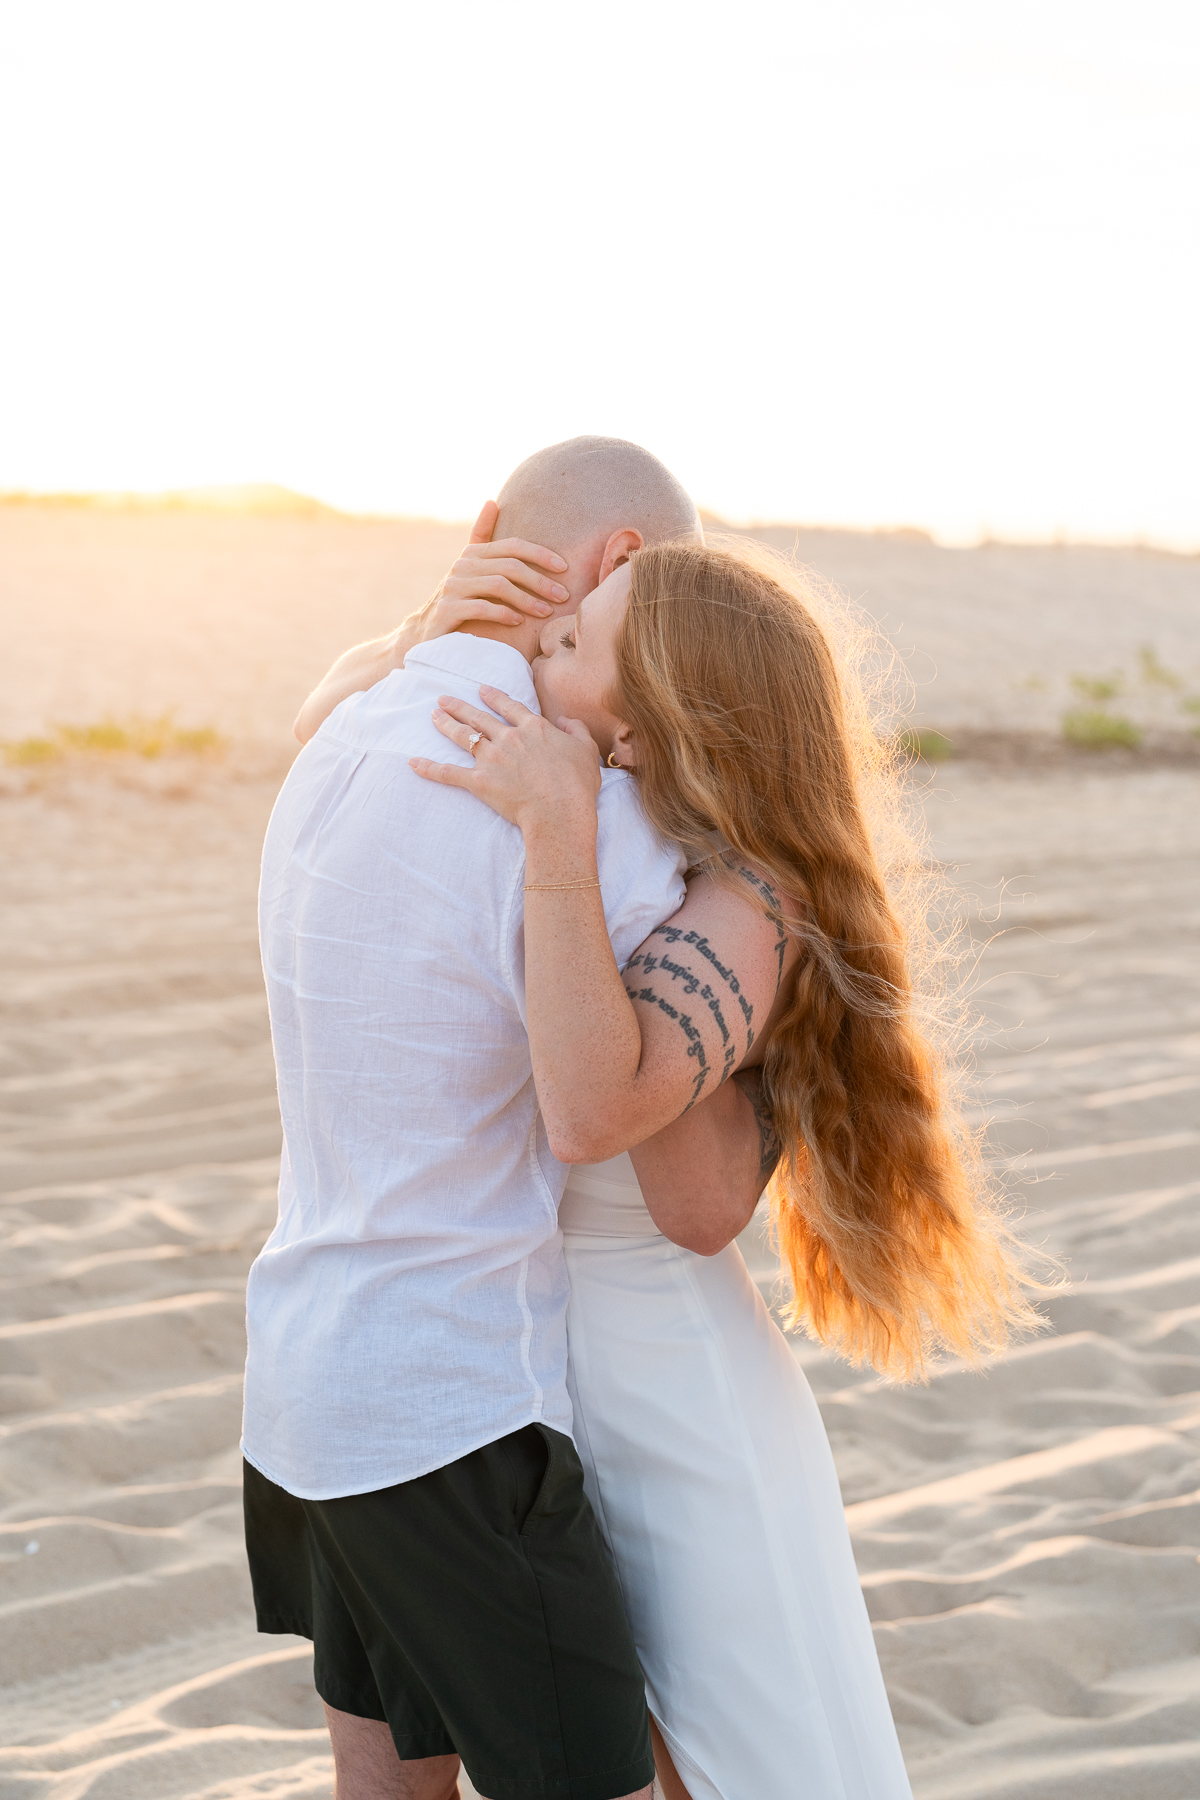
(542, 609)
(556, 562)
(561, 592)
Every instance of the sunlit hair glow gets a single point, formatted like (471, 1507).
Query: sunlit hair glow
(751, 727)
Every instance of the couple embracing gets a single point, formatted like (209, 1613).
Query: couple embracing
(575, 939)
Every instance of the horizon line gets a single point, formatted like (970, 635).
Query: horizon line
(266, 499)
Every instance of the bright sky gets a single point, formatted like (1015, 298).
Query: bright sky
(932, 263)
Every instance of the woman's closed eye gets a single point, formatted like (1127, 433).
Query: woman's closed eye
(567, 640)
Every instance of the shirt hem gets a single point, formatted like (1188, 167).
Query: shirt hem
(535, 1417)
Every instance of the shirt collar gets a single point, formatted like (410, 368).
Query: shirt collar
(481, 660)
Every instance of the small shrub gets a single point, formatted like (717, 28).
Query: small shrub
(1191, 703)
(1154, 672)
(1097, 687)
(137, 736)
(28, 751)
(1095, 729)
(195, 743)
(930, 746)
(103, 737)
(149, 738)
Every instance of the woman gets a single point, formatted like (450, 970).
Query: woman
(705, 674)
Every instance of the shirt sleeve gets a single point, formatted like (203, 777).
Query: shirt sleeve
(641, 873)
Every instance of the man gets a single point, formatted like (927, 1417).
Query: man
(414, 1502)
(600, 498)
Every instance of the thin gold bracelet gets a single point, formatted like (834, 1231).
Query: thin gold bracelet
(555, 887)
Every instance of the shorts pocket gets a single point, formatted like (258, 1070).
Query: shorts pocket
(529, 1456)
(560, 1490)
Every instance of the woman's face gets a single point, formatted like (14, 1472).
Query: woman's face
(576, 669)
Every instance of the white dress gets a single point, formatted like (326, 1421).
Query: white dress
(709, 1468)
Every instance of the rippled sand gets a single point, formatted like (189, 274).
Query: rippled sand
(1028, 1538)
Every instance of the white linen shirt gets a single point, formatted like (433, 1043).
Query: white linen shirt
(410, 1305)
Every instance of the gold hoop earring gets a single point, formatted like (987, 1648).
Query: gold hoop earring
(612, 761)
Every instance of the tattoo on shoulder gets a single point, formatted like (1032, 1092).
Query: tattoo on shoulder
(770, 898)
(769, 1147)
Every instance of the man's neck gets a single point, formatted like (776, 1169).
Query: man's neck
(524, 637)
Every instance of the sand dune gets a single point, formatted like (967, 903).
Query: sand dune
(227, 618)
(1027, 1537)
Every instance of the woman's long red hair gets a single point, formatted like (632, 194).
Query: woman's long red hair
(750, 731)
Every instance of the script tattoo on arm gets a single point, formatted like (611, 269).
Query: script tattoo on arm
(769, 1147)
(686, 1025)
(770, 898)
(700, 978)
(682, 979)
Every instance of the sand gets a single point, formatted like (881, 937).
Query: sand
(1028, 1538)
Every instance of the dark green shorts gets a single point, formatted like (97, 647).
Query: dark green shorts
(474, 1609)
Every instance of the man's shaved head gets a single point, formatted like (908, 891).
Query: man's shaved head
(583, 490)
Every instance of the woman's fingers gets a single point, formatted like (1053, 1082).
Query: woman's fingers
(501, 583)
(524, 551)
(486, 559)
(452, 613)
(487, 583)
(472, 577)
(459, 734)
(447, 774)
(485, 524)
(518, 571)
(468, 715)
(523, 769)
(505, 705)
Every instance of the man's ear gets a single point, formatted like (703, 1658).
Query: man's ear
(619, 548)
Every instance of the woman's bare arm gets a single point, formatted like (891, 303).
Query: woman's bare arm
(703, 1175)
(356, 671)
(615, 1057)
(353, 673)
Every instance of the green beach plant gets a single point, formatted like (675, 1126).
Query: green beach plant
(1098, 688)
(135, 736)
(929, 746)
(1155, 672)
(1092, 728)
(25, 752)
